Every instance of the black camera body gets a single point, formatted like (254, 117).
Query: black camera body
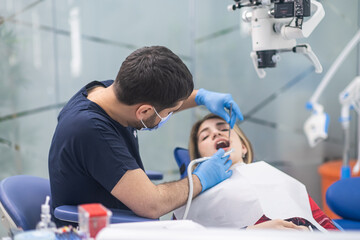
(282, 8)
(291, 8)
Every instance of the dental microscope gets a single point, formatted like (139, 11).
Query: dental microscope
(275, 26)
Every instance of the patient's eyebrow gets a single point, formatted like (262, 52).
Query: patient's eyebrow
(221, 123)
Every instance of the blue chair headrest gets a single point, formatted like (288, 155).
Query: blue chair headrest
(343, 198)
(22, 197)
(182, 158)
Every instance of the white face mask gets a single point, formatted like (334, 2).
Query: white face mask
(163, 120)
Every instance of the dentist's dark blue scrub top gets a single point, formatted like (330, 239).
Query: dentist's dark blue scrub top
(89, 154)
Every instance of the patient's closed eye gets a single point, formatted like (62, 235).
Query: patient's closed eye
(204, 137)
(223, 129)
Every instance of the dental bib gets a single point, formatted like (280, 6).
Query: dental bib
(253, 190)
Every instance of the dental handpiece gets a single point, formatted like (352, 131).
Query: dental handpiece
(198, 160)
(191, 185)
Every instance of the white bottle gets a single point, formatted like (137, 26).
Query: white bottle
(45, 222)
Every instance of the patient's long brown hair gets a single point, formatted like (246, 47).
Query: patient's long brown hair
(193, 146)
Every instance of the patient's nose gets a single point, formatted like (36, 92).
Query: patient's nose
(216, 134)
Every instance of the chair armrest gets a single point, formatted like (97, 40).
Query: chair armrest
(347, 225)
(154, 175)
(69, 213)
(123, 216)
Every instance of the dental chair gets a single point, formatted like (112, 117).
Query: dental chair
(21, 197)
(343, 198)
(182, 159)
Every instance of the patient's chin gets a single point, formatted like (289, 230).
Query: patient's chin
(235, 161)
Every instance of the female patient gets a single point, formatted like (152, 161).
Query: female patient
(255, 193)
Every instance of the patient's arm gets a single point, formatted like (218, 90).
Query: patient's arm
(278, 224)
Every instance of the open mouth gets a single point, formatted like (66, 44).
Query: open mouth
(222, 144)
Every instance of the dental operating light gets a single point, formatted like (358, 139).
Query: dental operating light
(349, 99)
(316, 127)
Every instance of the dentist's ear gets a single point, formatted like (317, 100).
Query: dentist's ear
(144, 111)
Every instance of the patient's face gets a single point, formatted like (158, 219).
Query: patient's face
(214, 134)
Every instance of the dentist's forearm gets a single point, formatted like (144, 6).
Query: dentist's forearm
(189, 102)
(175, 194)
(146, 199)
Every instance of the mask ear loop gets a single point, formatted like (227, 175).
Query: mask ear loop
(143, 123)
(157, 114)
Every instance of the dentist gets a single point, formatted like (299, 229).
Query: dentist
(94, 154)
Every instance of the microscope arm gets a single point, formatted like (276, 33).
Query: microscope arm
(309, 54)
(304, 49)
(291, 32)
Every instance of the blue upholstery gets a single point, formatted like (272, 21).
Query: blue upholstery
(22, 196)
(153, 175)
(348, 224)
(70, 214)
(343, 198)
(182, 158)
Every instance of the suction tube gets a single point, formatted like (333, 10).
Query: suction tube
(191, 184)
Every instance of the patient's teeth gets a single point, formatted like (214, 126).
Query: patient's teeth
(222, 144)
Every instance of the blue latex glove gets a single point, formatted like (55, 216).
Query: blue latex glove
(217, 102)
(214, 170)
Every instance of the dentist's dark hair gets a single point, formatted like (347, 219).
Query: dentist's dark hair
(153, 75)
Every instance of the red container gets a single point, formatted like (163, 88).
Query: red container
(92, 218)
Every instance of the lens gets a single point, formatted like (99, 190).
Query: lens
(265, 59)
